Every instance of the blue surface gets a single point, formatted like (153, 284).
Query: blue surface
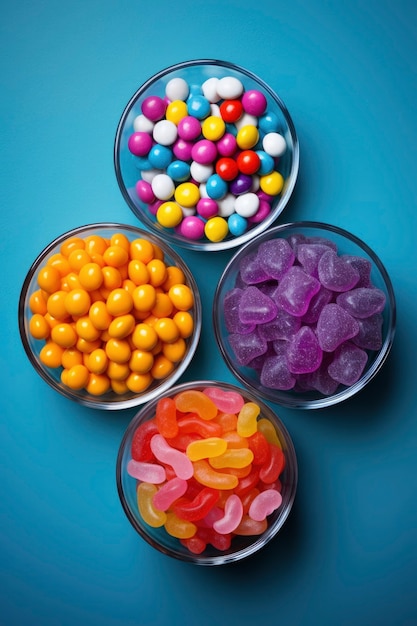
(347, 72)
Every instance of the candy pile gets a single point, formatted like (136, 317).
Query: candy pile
(303, 316)
(208, 467)
(113, 314)
(208, 157)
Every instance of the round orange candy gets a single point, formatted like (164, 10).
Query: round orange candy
(97, 361)
(175, 276)
(99, 315)
(138, 272)
(120, 240)
(37, 302)
(77, 302)
(49, 279)
(137, 383)
(163, 306)
(64, 335)
(118, 350)
(181, 297)
(144, 337)
(39, 327)
(56, 305)
(117, 371)
(119, 386)
(119, 302)
(141, 361)
(141, 249)
(94, 244)
(162, 367)
(70, 357)
(98, 384)
(112, 278)
(78, 258)
(122, 326)
(60, 262)
(77, 377)
(157, 272)
(51, 354)
(167, 330)
(91, 276)
(72, 243)
(115, 256)
(175, 351)
(86, 329)
(185, 323)
(144, 297)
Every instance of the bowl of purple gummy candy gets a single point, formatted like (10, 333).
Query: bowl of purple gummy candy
(206, 155)
(305, 315)
(207, 473)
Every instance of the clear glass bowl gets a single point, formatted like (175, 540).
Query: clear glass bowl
(241, 546)
(195, 73)
(302, 395)
(109, 400)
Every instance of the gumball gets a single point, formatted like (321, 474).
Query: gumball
(213, 128)
(274, 144)
(189, 128)
(144, 191)
(187, 195)
(247, 137)
(269, 122)
(169, 214)
(200, 172)
(226, 146)
(153, 108)
(254, 102)
(165, 132)
(241, 184)
(160, 156)
(139, 143)
(209, 89)
(178, 170)
(229, 88)
(216, 187)
(227, 168)
(177, 89)
(237, 224)
(192, 227)
(247, 204)
(248, 162)
(272, 183)
(176, 110)
(216, 229)
(204, 151)
(207, 207)
(182, 149)
(266, 163)
(163, 187)
(231, 110)
(198, 106)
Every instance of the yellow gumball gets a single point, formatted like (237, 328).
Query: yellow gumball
(247, 137)
(272, 183)
(187, 195)
(169, 214)
(216, 229)
(213, 128)
(175, 111)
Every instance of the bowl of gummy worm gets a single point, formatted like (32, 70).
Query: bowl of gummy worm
(207, 473)
(206, 155)
(305, 315)
(109, 315)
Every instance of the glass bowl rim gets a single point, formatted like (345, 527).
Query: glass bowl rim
(91, 401)
(260, 541)
(208, 246)
(283, 398)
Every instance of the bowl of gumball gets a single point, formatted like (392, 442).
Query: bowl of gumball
(207, 473)
(305, 315)
(206, 155)
(109, 315)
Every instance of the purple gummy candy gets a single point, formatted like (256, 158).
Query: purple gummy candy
(258, 362)
(295, 240)
(256, 307)
(283, 326)
(336, 273)
(251, 270)
(268, 287)
(275, 374)
(247, 347)
(276, 257)
(321, 379)
(309, 255)
(348, 364)
(363, 266)
(304, 354)
(318, 301)
(369, 336)
(295, 290)
(322, 241)
(334, 326)
(363, 301)
(231, 313)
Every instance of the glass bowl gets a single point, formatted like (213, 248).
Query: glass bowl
(305, 326)
(105, 347)
(137, 489)
(156, 155)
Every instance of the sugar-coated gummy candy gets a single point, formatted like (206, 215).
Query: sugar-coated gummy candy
(236, 460)
(302, 316)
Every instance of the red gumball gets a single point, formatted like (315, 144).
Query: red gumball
(248, 162)
(227, 168)
(231, 110)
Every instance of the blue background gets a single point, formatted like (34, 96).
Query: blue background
(347, 72)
